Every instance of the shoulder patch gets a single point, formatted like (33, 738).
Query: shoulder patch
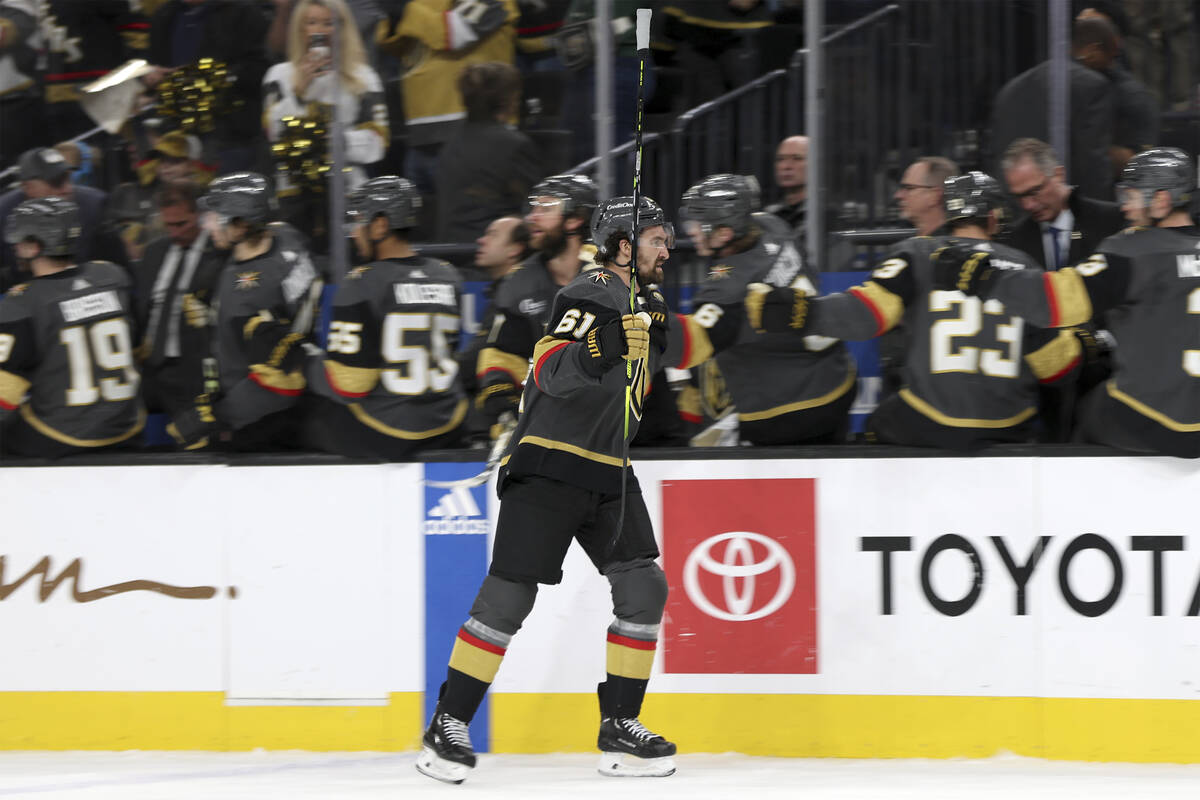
(18, 290)
(601, 277)
(247, 280)
(720, 272)
(357, 272)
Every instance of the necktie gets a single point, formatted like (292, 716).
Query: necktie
(1058, 261)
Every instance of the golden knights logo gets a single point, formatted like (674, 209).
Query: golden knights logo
(637, 389)
(720, 271)
(601, 277)
(247, 280)
(357, 273)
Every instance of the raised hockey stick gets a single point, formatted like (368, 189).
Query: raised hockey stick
(643, 50)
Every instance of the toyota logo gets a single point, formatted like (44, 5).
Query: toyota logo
(738, 566)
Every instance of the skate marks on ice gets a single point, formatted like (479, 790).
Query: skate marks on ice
(359, 776)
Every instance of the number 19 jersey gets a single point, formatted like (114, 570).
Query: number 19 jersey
(66, 356)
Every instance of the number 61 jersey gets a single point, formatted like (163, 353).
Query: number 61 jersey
(390, 354)
(66, 346)
(970, 363)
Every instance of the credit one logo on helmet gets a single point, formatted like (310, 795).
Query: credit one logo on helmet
(740, 559)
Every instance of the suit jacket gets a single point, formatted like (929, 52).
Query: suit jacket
(1021, 110)
(485, 171)
(1095, 220)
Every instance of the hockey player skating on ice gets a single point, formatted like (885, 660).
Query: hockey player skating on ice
(561, 480)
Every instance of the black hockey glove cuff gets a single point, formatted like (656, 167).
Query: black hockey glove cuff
(195, 428)
(656, 306)
(775, 309)
(963, 268)
(494, 400)
(270, 342)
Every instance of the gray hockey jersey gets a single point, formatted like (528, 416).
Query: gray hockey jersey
(390, 355)
(66, 356)
(970, 363)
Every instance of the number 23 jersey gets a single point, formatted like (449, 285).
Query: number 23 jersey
(66, 343)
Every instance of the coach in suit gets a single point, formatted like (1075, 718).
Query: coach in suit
(1021, 110)
(1060, 226)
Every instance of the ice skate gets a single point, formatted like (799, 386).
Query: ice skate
(447, 755)
(630, 750)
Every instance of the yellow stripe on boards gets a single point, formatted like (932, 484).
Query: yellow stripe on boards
(201, 721)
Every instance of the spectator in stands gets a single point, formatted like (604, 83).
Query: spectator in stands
(234, 33)
(44, 173)
(308, 85)
(487, 168)
(367, 14)
(1164, 49)
(22, 108)
(1135, 115)
(920, 193)
(715, 42)
(436, 40)
(68, 383)
(1021, 111)
(537, 29)
(1061, 227)
(174, 288)
(89, 39)
(265, 299)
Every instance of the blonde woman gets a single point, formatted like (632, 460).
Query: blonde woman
(309, 79)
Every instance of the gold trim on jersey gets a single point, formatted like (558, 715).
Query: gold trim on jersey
(275, 378)
(545, 344)
(456, 419)
(887, 303)
(828, 397)
(495, 358)
(1072, 303)
(58, 436)
(575, 450)
(1147, 411)
(927, 410)
(12, 388)
(700, 347)
(351, 380)
(1055, 356)
(701, 22)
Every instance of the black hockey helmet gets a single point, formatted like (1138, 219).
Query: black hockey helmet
(390, 196)
(718, 200)
(577, 192)
(615, 215)
(1163, 169)
(974, 194)
(241, 195)
(51, 221)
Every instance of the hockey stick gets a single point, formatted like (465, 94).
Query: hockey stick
(509, 423)
(643, 49)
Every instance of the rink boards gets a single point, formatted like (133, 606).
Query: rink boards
(923, 607)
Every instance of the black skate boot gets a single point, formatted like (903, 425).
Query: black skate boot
(447, 755)
(630, 750)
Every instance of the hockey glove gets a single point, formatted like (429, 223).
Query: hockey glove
(963, 268)
(272, 343)
(196, 426)
(771, 309)
(656, 306)
(625, 338)
(493, 401)
(472, 20)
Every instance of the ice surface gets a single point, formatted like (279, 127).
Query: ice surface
(349, 776)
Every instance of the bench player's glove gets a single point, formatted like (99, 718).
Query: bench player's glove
(195, 428)
(655, 305)
(625, 338)
(498, 399)
(775, 309)
(962, 267)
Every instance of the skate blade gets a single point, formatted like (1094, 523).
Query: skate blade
(623, 765)
(429, 763)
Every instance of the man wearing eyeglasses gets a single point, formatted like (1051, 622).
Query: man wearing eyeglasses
(920, 193)
(1060, 226)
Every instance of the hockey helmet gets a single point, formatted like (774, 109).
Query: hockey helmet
(577, 192)
(722, 200)
(616, 216)
(974, 194)
(390, 196)
(241, 195)
(51, 221)
(1163, 169)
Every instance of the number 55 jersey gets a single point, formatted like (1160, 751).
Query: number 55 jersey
(971, 364)
(66, 357)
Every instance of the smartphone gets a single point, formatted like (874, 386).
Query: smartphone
(319, 43)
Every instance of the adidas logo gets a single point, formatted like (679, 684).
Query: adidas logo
(456, 512)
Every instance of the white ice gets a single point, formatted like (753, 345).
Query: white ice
(351, 776)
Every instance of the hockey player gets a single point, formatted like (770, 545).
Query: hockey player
(784, 394)
(1146, 280)
(560, 208)
(972, 369)
(68, 383)
(266, 297)
(389, 363)
(561, 480)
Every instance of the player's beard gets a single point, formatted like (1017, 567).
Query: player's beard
(554, 243)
